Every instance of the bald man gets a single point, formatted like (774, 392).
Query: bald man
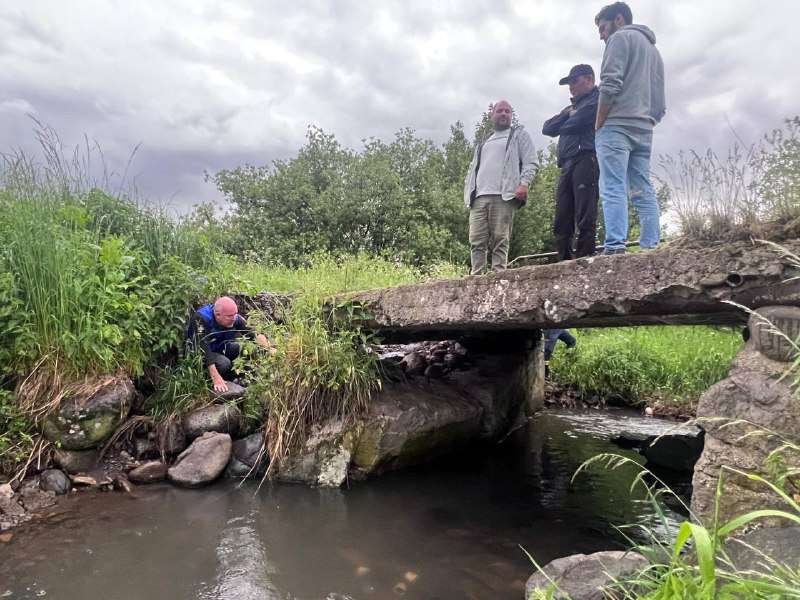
(496, 185)
(214, 330)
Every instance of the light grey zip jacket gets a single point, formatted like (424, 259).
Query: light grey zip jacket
(632, 78)
(519, 167)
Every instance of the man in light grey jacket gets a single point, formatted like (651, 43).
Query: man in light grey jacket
(631, 103)
(496, 185)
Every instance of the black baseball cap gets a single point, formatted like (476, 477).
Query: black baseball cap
(575, 72)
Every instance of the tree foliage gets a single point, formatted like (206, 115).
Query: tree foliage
(401, 199)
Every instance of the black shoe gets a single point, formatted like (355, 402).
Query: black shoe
(612, 251)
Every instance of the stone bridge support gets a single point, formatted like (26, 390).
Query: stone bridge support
(747, 417)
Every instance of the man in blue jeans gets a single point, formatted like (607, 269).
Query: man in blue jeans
(631, 103)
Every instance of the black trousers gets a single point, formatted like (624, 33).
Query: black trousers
(576, 207)
(224, 360)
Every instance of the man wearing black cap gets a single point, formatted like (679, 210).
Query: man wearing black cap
(577, 193)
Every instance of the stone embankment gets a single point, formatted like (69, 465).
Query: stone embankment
(436, 397)
(748, 416)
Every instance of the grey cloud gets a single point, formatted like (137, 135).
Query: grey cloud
(207, 85)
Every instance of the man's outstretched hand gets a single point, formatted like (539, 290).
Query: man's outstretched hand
(220, 385)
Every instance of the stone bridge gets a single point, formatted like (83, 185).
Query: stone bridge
(670, 286)
(504, 313)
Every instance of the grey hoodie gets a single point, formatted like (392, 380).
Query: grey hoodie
(632, 78)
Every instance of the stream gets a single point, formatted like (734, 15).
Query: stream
(454, 528)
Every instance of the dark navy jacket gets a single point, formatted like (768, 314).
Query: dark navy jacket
(210, 336)
(575, 133)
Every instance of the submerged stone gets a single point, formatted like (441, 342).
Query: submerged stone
(584, 577)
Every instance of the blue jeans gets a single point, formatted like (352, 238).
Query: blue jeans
(624, 158)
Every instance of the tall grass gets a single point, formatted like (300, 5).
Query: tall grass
(97, 283)
(325, 274)
(693, 562)
(714, 196)
(318, 371)
(670, 363)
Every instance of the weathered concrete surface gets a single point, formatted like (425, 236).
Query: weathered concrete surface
(666, 286)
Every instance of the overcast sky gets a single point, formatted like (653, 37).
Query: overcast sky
(205, 85)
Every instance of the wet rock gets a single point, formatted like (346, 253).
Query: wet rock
(234, 392)
(203, 461)
(76, 461)
(221, 418)
(582, 576)
(678, 450)
(87, 419)
(171, 437)
(246, 455)
(248, 450)
(54, 480)
(149, 472)
(10, 506)
(391, 369)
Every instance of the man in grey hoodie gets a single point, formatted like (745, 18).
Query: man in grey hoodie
(496, 185)
(631, 103)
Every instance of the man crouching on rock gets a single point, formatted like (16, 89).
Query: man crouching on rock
(214, 329)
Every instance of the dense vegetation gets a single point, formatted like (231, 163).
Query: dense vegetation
(91, 282)
(673, 365)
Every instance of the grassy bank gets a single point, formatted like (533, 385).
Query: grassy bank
(673, 365)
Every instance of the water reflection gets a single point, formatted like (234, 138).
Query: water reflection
(453, 529)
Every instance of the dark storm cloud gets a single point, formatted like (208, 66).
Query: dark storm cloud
(207, 85)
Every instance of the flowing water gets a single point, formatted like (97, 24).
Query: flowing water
(452, 529)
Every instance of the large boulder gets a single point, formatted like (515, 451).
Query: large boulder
(412, 421)
(222, 418)
(584, 577)
(87, 418)
(203, 461)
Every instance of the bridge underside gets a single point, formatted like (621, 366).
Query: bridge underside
(670, 286)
